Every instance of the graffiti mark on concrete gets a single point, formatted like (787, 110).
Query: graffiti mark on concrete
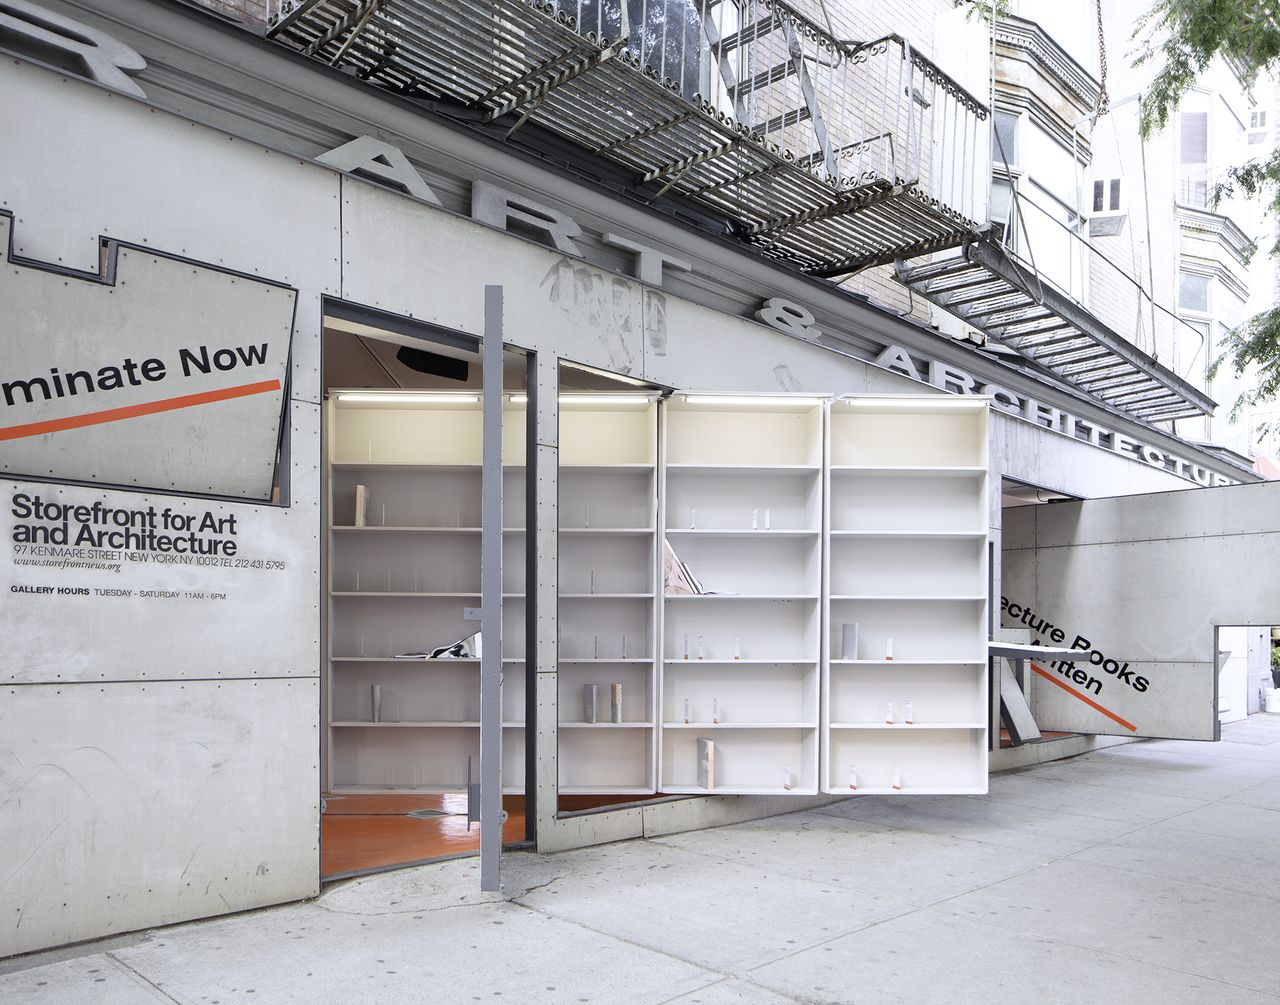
(619, 311)
(786, 379)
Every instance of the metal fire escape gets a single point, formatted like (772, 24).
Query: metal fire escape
(988, 288)
(828, 154)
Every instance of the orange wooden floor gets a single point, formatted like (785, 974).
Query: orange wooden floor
(364, 832)
(359, 833)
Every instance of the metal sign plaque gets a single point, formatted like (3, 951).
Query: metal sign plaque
(159, 373)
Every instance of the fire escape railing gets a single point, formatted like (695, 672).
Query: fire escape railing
(829, 154)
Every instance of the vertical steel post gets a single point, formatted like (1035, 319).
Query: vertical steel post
(543, 644)
(492, 816)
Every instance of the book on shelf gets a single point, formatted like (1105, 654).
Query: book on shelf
(464, 649)
(706, 762)
(362, 506)
(677, 579)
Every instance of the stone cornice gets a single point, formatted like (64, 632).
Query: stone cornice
(1069, 75)
(1036, 74)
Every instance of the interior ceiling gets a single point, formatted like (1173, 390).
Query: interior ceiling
(357, 356)
(1015, 493)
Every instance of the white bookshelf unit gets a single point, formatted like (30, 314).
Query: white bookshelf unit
(742, 508)
(608, 601)
(398, 583)
(906, 563)
(797, 515)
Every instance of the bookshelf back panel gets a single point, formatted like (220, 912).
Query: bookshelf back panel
(420, 691)
(748, 758)
(726, 501)
(601, 499)
(928, 758)
(920, 629)
(406, 757)
(746, 693)
(600, 628)
(937, 693)
(441, 434)
(765, 436)
(605, 757)
(908, 566)
(933, 437)
(623, 435)
(619, 564)
(766, 629)
(905, 504)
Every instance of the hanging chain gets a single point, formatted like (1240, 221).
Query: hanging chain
(1103, 99)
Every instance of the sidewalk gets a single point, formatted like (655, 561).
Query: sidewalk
(1143, 873)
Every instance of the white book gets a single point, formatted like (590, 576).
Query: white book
(706, 762)
(362, 505)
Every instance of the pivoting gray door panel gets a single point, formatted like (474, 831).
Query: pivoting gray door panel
(1138, 584)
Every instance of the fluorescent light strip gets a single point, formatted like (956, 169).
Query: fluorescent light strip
(753, 401)
(423, 398)
(591, 399)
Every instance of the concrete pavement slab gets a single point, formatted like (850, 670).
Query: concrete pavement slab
(1029, 787)
(1262, 728)
(313, 956)
(89, 980)
(1265, 795)
(1258, 763)
(1231, 819)
(894, 864)
(1163, 774)
(1173, 854)
(718, 914)
(734, 991)
(927, 958)
(1187, 926)
(984, 819)
(1267, 753)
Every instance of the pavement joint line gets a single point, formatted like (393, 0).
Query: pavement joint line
(1098, 950)
(706, 968)
(910, 910)
(110, 954)
(786, 996)
(855, 887)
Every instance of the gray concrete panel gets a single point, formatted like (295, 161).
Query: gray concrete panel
(1145, 579)
(102, 837)
(130, 616)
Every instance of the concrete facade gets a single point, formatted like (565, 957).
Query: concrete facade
(218, 166)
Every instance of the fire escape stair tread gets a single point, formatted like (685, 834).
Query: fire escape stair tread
(990, 291)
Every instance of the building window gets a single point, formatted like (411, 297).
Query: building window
(1004, 136)
(1258, 120)
(1106, 195)
(1193, 338)
(1193, 157)
(1002, 210)
(1193, 292)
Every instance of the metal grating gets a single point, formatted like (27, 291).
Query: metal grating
(828, 154)
(988, 289)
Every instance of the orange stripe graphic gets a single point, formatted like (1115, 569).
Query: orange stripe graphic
(133, 411)
(1088, 701)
